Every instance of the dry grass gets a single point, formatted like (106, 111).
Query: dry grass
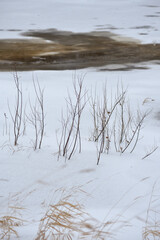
(30, 50)
(152, 233)
(11, 220)
(8, 225)
(67, 219)
(68, 50)
(151, 230)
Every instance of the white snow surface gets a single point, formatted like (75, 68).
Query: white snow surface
(136, 19)
(121, 184)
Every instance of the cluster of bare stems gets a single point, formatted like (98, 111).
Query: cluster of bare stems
(36, 117)
(17, 115)
(114, 122)
(6, 127)
(70, 138)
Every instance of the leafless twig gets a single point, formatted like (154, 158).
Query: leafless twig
(37, 115)
(16, 116)
(70, 124)
(151, 152)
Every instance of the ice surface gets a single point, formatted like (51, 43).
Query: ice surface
(128, 18)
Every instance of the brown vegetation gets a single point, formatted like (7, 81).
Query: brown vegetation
(66, 50)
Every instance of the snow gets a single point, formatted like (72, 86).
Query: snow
(122, 183)
(119, 179)
(120, 17)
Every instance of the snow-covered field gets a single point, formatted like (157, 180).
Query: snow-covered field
(129, 18)
(119, 189)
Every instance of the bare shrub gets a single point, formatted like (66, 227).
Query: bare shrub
(102, 112)
(70, 122)
(127, 127)
(37, 115)
(113, 121)
(17, 114)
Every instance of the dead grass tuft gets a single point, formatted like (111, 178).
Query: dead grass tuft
(8, 226)
(12, 220)
(67, 219)
(151, 231)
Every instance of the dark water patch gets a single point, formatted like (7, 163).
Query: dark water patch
(143, 33)
(150, 6)
(100, 25)
(14, 30)
(101, 29)
(152, 16)
(106, 27)
(11, 30)
(142, 27)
